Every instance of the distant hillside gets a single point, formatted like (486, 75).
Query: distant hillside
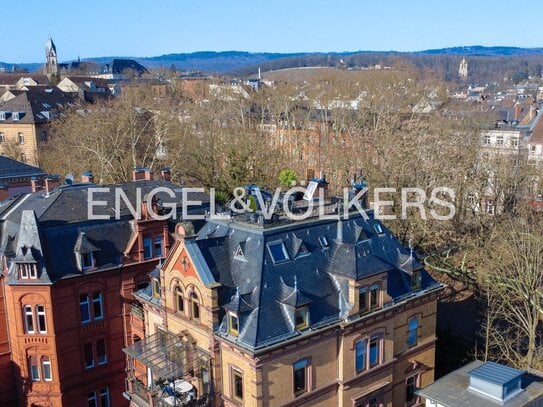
(485, 63)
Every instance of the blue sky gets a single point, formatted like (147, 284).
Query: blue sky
(93, 28)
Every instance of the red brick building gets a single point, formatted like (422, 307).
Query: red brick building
(68, 290)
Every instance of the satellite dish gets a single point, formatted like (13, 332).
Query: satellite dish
(69, 178)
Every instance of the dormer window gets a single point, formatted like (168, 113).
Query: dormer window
(158, 246)
(378, 228)
(323, 241)
(147, 247)
(27, 271)
(3, 116)
(416, 280)
(15, 116)
(85, 253)
(369, 298)
(301, 318)
(87, 261)
(233, 324)
(278, 252)
(156, 287)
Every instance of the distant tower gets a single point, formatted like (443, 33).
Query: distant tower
(463, 69)
(51, 65)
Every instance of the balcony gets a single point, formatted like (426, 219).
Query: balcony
(178, 373)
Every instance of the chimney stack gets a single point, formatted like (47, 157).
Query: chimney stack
(87, 177)
(4, 192)
(35, 184)
(166, 173)
(148, 173)
(138, 173)
(51, 182)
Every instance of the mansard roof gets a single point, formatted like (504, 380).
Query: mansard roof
(52, 227)
(264, 291)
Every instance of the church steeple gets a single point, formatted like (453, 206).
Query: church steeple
(51, 63)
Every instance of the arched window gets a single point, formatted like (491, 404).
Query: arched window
(195, 305)
(179, 301)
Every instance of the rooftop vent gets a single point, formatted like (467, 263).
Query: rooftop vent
(496, 381)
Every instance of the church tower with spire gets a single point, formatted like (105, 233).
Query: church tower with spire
(51, 63)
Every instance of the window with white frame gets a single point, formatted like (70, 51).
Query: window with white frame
(91, 399)
(46, 369)
(42, 323)
(101, 351)
(104, 397)
(91, 307)
(158, 246)
(20, 138)
(29, 319)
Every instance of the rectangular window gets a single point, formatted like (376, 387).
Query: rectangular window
(34, 369)
(43, 136)
(374, 296)
(101, 352)
(413, 332)
(363, 300)
(410, 389)
(147, 248)
(86, 261)
(361, 348)
(237, 384)
(416, 280)
(46, 369)
(32, 270)
(158, 246)
(29, 319)
(486, 140)
(42, 325)
(104, 397)
(23, 271)
(84, 308)
(514, 142)
(278, 252)
(375, 357)
(156, 287)
(300, 377)
(97, 305)
(89, 355)
(499, 140)
(301, 318)
(91, 399)
(233, 324)
(2, 137)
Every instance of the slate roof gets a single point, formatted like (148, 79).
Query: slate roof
(56, 225)
(452, 389)
(265, 292)
(10, 168)
(119, 65)
(36, 105)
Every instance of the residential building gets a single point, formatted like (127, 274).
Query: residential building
(485, 384)
(250, 312)
(25, 119)
(17, 177)
(68, 283)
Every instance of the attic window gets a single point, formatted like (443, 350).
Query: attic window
(27, 271)
(2, 115)
(233, 324)
(15, 116)
(87, 261)
(378, 228)
(301, 318)
(416, 279)
(323, 241)
(278, 252)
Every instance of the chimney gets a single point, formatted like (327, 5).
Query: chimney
(166, 173)
(339, 237)
(35, 184)
(138, 173)
(87, 177)
(51, 182)
(4, 192)
(148, 173)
